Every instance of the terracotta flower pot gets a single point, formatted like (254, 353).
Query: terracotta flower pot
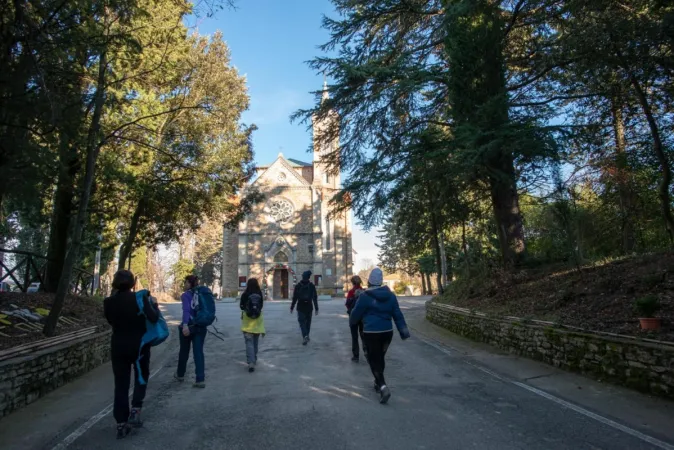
(650, 323)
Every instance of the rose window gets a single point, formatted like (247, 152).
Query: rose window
(281, 210)
(281, 176)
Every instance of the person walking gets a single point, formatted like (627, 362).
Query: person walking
(252, 321)
(356, 330)
(128, 328)
(306, 299)
(191, 335)
(376, 307)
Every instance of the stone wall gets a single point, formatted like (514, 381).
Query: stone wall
(645, 366)
(24, 379)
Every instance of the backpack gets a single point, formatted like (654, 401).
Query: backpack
(351, 303)
(305, 295)
(155, 333)
(254, 306)
(204, 307)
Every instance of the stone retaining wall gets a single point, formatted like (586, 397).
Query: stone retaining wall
(648, 367)
(24, 379)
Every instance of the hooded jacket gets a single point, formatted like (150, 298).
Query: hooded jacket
(376, 307)
(305, 286)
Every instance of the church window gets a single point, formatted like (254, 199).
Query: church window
(281, 257)
(327, 234)
(281, 210)
(281, 176)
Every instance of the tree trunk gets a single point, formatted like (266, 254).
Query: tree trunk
(62, 212)
(443, 258)
(622, 175)
(660, 153)
(464, 243)
(429, 286)
(423, 284)
(92, 148)
(127, 246)
(505, 201)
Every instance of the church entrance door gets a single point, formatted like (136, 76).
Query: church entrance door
(280, 284)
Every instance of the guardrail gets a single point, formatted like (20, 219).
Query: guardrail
(32, 268)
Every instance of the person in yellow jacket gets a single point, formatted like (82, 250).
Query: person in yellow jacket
(252, 321)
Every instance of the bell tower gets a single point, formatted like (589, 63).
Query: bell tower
(326, 142)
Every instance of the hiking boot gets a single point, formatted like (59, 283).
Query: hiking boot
(123, 430)
(199, 384)
(177, 378)
(385, 395)
(134, 419)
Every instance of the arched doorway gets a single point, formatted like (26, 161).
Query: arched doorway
(280, 288)
(282, 279)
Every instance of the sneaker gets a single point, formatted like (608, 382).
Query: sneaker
(134, 419)
(199, 384)
(355, 359)
(385, 395)
(376, 388)
(177, 378)
(251, 368)
(306, 340)
(123, 430)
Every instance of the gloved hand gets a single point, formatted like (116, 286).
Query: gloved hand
(404, 334)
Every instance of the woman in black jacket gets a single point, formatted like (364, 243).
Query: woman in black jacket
(128, 328)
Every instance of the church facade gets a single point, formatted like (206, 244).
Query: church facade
(291, 231)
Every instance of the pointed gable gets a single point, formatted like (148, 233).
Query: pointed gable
(281, 172)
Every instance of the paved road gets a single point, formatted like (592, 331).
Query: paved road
(314, 398)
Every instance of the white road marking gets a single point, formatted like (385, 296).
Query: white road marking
(91, 422)
(606, 421)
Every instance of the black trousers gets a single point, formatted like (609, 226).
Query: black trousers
(377, 344)
(124, 356)
(357, 330)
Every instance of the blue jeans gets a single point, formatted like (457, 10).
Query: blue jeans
(196, 341)
(304, 318)
(251, 347)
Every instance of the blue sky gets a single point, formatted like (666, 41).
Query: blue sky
(270, 41)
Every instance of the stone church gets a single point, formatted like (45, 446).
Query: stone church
(290, 231)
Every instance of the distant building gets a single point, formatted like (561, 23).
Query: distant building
(290, 232)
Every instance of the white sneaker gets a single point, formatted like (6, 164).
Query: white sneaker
(385, 395)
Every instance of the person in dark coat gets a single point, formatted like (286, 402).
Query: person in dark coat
(306, 299)
(128, 328)
(356, 330)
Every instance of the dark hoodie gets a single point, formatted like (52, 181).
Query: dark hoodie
(305, 294)
(376, 307)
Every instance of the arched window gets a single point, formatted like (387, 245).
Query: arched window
(327, 234)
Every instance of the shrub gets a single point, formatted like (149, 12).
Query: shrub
(647, 306)
(400, 287)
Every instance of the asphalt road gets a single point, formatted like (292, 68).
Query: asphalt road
(314, 397)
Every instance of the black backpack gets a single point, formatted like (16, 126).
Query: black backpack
(305, 295)
(254, 306)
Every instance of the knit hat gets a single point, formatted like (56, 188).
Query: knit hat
(376, 277)
(306, 275)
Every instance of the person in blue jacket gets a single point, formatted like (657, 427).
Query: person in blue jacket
(376, 307)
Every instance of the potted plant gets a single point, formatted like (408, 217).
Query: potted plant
(646, 307)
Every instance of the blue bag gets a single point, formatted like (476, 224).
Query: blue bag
(204, 307)
(155, 333)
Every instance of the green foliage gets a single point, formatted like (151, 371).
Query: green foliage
(181, 269)
(647, 306)
(513, 134)
(400, 287)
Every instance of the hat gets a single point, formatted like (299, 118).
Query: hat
(306, 275)
(376, 277)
